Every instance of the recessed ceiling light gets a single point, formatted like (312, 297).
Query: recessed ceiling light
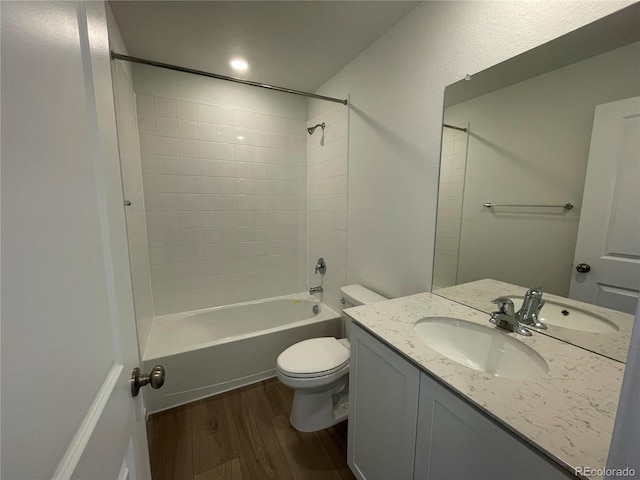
(239, 64)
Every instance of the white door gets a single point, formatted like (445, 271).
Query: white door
(68, 330)
(608, 246)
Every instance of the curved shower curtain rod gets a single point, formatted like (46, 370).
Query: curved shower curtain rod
(127, 58)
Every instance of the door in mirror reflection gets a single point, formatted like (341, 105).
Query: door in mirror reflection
(608, 244)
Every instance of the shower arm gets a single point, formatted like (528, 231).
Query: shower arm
(313, 129)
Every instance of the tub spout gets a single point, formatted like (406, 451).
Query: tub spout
(317, 289)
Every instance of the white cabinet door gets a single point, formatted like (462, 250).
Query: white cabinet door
(455, 441)
(609, 231)
(68, 333)
(383, 410)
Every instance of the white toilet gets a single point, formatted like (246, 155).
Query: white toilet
(317, 369)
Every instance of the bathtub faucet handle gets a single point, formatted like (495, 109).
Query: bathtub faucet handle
(321, 266)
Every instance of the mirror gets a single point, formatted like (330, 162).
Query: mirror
(517, 201)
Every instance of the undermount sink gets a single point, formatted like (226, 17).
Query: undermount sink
(481, 348)
(560, 315)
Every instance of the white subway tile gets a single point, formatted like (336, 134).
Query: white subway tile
(224, 116)
(460, 146)
(457, 175)
(166, 127)
(226, 151)
(274, 123)
(169, 165)
(207, 132)
(245, 202)
(243, 170)
(226, 169)
(274, 140)
(258, 121)
(258, 138)
(258, 170)
(207, 149)
(145, 104)
(186, 110)
(189, 148)
(148, 145)
(459, 161)
(275, 155)
(190, 184)
(258, 154)
(225, 134)
(288, 141)
(289, 126)
(146, 124)
(206, 113)
(209, 185)
(166, 107)
(189, 166)
(301, 143)
(191, 219)
(227, 185)
(187, 129)
(150, 164)
(242, 118)
(243, 153)
(242, 136)
(208, 168)
(168, 146)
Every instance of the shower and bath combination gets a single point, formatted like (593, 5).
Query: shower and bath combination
(313, 129)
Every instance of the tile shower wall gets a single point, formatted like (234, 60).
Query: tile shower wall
(452, 173)
(131, 168)
(225, 195)
(327, 157)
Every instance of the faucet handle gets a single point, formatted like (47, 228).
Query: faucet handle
(505, 305)
(536, 316)
(321, 266)
(534, 292)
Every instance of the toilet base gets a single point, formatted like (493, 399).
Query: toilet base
(316, 410)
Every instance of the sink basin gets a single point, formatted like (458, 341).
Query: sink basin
(481, 348)
(560, 315)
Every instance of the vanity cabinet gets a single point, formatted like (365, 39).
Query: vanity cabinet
(383, 410)
(403, 424)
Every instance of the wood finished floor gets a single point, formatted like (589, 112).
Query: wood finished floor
(244, 434)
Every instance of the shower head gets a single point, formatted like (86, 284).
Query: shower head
(313, 129)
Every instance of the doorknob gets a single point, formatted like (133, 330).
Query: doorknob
(138, 380)
(583, 267)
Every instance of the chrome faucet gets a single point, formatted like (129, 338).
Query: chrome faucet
(506, 317)
(321, 266)
(317, 289)
(530, 311)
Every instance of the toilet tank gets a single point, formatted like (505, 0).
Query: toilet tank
(355, 295)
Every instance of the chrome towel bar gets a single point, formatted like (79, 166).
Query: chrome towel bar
(566, 206)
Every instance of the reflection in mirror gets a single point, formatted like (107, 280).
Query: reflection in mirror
(550, 139)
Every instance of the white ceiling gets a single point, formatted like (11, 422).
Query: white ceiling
(297, 45)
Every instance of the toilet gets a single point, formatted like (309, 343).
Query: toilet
(317, 369)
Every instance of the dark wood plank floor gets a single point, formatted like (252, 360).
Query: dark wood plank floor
(243, 434)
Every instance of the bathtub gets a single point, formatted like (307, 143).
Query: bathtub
(209, 351)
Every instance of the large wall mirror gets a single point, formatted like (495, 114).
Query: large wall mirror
(540, 182)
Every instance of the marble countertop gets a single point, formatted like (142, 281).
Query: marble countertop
(568, 414)
(614, 345)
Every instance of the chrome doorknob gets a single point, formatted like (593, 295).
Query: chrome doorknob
(583, 267)
(139, 380)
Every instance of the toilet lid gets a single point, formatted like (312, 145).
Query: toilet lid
(310, 357)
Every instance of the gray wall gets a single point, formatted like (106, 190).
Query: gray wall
(397, 87)
(529, 144)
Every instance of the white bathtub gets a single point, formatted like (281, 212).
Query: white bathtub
(210, 351)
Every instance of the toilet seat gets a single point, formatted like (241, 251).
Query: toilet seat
(313, 358)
